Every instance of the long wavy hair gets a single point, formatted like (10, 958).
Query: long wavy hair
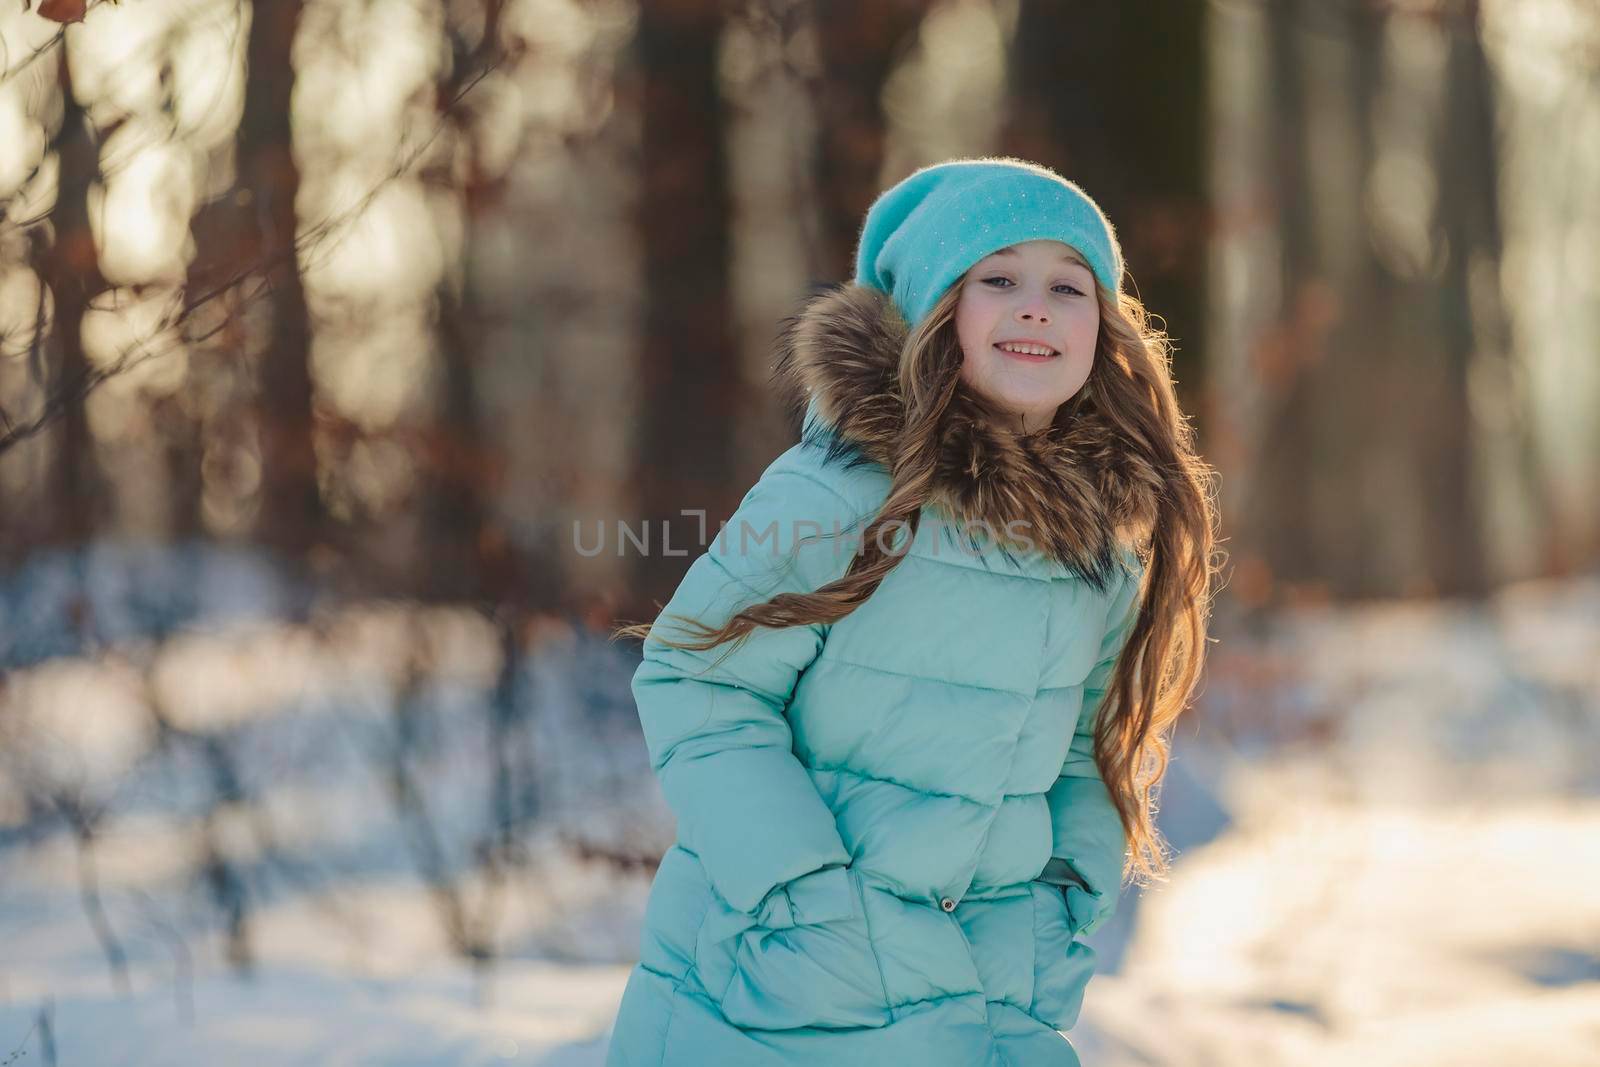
(1130, 383)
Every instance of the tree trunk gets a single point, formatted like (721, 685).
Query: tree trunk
(291, 518)
(70, 269)
(1113, 97)
(1469, 217)
(457, 482)
(859, 48)
(689, 371)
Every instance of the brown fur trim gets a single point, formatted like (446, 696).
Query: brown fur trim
(1077, 487)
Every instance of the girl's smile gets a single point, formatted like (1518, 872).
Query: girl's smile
(1028, 351)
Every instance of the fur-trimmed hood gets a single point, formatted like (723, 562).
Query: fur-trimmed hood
(1078, 492)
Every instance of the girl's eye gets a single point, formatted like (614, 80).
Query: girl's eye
(990, 281)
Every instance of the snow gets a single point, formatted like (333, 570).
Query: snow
(1386, 820)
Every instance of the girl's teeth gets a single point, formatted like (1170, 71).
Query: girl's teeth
(1027, 350)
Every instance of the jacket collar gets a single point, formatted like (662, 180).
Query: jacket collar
(1077, 492)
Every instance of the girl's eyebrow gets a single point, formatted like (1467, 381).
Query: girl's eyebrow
(1067, 259)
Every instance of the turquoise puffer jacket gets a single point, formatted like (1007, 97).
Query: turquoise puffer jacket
(891, 829)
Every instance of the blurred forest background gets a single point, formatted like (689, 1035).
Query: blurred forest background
(336, 334)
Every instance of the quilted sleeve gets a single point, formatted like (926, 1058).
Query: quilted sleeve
(714, 722)
(1088, 844)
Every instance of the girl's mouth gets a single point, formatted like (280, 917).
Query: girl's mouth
(1028, 353)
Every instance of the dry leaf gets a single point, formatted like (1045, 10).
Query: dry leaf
(63, 10)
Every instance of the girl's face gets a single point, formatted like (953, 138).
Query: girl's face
(1036, 294)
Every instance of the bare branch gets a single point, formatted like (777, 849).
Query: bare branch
(323, 238)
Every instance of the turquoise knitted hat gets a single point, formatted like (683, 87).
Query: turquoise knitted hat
(924, 233)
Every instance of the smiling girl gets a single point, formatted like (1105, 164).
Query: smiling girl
(910, 707)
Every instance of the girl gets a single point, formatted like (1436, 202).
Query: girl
(958, 618)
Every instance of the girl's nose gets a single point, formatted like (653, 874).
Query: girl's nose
(1033, 312)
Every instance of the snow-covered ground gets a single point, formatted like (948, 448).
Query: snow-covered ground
(240, 827)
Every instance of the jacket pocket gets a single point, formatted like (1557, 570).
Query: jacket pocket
(808, 961)
(1062, 965)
